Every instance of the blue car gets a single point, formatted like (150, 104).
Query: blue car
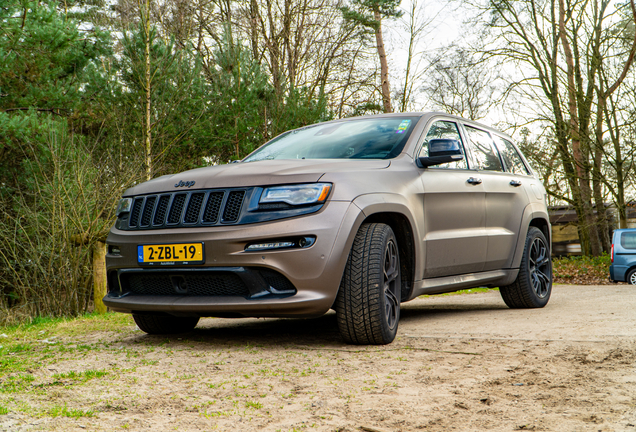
(623, 267)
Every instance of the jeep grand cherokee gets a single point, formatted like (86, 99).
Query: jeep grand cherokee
(356, 215)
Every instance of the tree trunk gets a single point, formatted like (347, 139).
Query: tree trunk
(99, 276)
(588, 225)
(384, 67)
(148, 142)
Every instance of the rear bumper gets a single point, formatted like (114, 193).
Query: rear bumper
(617, 272)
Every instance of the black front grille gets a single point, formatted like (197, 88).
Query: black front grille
(189, 284)
(233, 206)
(211, 214)
(135, 212)
(148, 208)
(247, 282)
(196, 208)
(162, 210)
(176, 209)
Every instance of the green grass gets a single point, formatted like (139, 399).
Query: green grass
(66, 326)
(17, 384)
(4, 410)
(63, 411)
(29, 345)
(81, 376)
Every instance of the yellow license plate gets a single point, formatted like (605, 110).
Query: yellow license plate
(178, 253)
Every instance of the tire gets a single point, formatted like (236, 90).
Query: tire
(165, 324)
(631, 277)
(533, 285)
(368, 302)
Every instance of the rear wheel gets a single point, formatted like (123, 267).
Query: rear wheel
(368, 302)
(165, 324)
(533, 285)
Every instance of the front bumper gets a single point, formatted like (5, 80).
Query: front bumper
(314, 272)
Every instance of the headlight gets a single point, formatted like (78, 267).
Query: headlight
(124, 206)
(313, 193)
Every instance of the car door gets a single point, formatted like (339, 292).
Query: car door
(502, 178)
(454, 211)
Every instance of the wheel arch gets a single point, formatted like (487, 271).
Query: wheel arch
(627, 272)
(534, 215)
(403, 230)
(544, 226)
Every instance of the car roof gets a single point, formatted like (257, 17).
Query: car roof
(428, 115)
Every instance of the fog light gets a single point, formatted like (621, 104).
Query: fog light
(272, 245)
(114, 250)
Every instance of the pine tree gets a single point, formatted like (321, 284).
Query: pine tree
(369, 14)
(42, 74)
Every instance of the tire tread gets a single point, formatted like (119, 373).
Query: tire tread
(358, 308)
(520, 294)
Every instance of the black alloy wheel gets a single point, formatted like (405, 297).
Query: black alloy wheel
(391, 285)
(540, 267)
(368, 302)
(533, 285)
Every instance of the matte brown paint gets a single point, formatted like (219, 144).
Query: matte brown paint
(463, 235)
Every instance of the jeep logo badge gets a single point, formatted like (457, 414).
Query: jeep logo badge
(184, 184)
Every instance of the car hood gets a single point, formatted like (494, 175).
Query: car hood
(260, 173)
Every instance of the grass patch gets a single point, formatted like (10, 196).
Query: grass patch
(4, 410)
(65, 326)
(16, 384)
(63, 411)
(27, 346)
(255, 405)
(81, 376)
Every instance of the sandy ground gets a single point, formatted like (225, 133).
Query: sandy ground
(462, 363)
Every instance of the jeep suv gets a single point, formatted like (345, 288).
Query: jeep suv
(356, 215)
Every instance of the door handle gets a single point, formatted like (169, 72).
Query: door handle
(515, 183)
(474, 181)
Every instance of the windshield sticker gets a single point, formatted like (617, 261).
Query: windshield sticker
(403, 126)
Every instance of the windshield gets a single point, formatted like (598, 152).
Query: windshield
(371, 138)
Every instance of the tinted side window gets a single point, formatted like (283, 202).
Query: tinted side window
(628, 240)
(484, 150)
(510, 156)
(444, 129)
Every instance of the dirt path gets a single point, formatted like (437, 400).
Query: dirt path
(464, 363)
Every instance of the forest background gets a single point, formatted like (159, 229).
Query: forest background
(97, 95)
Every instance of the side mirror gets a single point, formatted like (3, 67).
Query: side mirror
(441, 150)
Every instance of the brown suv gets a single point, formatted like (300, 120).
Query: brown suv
(356, 215)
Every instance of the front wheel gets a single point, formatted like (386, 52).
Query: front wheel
(368, 302)
(533, 285)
